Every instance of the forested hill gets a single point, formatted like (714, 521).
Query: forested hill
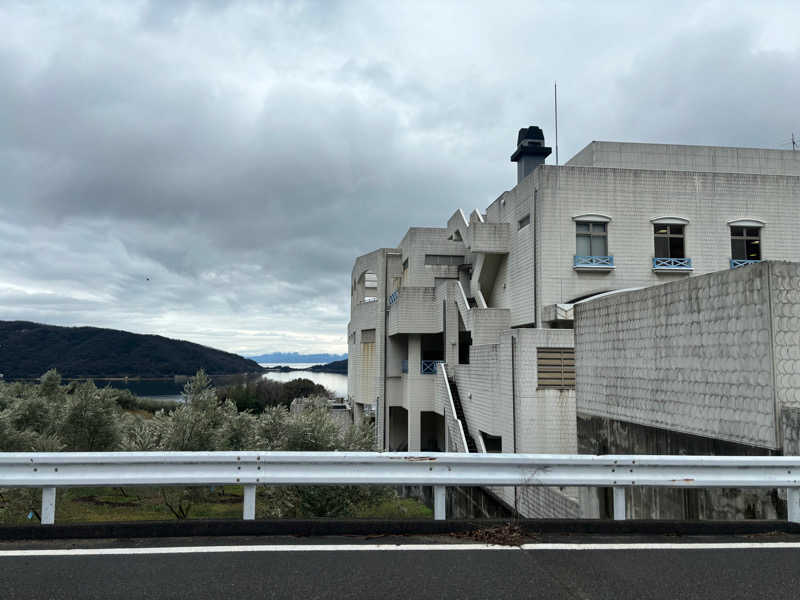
(30, 349)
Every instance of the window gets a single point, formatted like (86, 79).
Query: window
(444, 259)
(591, 239)
(669, 240)
(524, 222)
(556, 368)
(367, 336)
(745, 243)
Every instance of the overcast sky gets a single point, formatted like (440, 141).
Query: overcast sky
(209, 171)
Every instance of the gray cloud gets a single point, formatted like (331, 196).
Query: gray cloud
(209, 170)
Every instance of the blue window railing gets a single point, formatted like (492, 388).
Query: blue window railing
(672, 264)
(428, 367)
(740, 262)
(404, 367)
(593, 261)
(393, 297)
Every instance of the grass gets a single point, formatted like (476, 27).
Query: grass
(105, 505)
(396, 508)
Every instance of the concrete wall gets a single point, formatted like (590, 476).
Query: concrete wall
(420, 241)
(366, 375)
(692, 356)
(598, 435)
(708, 159)
(784, 280)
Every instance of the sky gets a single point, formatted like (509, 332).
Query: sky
(209, 170)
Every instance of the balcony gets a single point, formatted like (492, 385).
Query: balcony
(675, 265)
(491, 238)
(593, 263)
(740, 262)
(426, 367)
(414, 310)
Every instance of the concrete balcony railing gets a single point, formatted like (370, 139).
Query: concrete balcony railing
(491, 238)
(414, 311)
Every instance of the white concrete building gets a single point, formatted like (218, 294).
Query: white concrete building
(486, 301)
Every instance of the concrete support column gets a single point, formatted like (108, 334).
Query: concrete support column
(413, 402)
(451, 326)
(414, 430)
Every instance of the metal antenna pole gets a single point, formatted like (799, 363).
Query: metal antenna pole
(794, 142)
(555, 106)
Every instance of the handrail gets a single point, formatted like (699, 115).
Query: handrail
(50, 470)
(452, 405)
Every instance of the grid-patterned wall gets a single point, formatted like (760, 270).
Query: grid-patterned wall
(692, 356)
(707, 159)
(631, 198)
(785, 307)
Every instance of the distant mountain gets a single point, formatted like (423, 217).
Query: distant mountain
(30, 349)
(293, 357)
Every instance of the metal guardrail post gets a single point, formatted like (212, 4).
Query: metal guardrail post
(439, 509)
(619, 503)
(48, 505)
(793, 504)
(249, 508)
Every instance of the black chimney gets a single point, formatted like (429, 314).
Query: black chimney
(530, 152)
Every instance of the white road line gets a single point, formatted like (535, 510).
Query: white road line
(253, 548)
(391, 547)
(666, 546)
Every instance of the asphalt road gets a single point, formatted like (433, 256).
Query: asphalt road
(312, 569)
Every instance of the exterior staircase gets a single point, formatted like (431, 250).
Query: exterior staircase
(471, 447)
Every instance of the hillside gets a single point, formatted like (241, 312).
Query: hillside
(30, 349)
(337, 366)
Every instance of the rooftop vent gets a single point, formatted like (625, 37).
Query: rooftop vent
(531, 151)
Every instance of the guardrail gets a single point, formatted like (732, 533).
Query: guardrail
(53, 470)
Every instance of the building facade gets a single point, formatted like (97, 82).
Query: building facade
(461, 336)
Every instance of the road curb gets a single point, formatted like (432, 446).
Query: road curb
(311, 527)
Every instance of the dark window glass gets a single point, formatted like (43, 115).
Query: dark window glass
(676, 247)
(746, 243)
(591, 239)
(669, 241)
